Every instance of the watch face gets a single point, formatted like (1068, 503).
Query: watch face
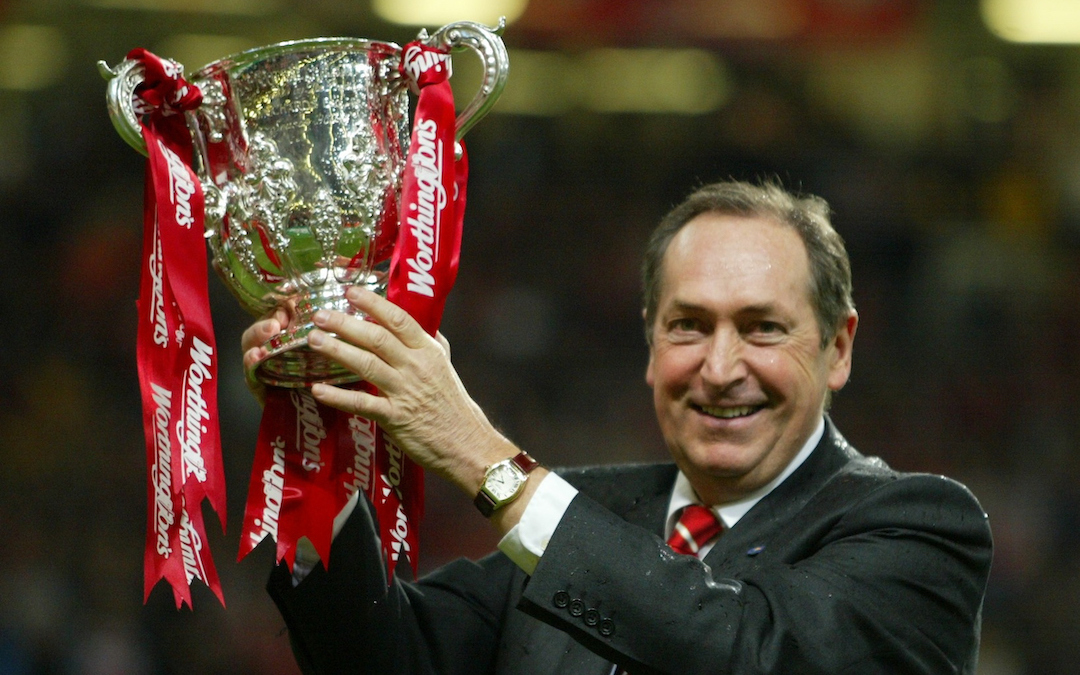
(503, 482)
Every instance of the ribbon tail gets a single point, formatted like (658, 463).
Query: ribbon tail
(266, 486)
(198, 563)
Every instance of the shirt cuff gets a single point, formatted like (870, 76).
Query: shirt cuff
(526, 541)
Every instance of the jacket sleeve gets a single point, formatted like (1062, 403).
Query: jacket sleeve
(891, 583)
(349, 620)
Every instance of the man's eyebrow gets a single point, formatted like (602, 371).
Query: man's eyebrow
(757, 309)
(683, 305)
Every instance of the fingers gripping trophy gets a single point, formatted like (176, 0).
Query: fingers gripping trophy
(297, 166)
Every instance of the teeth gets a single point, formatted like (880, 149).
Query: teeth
(729, 413)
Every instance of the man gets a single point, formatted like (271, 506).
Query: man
(829, 562)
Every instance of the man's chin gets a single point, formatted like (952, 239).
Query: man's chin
(733, 469)
(724, 463)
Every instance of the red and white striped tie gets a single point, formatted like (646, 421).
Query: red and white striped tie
(696, 527)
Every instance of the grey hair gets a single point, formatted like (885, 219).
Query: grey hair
(830, 268)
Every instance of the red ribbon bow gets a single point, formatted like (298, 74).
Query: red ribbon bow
(163, 90)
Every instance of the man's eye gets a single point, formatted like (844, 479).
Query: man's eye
(684, 325)
(767, 329)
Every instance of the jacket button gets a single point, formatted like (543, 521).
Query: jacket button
(561, 599)
(592, 617)
(577, 607)
(607, 627)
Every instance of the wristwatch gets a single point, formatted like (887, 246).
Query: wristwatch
(503, 483)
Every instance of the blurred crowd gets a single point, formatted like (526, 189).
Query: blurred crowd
(966, 260)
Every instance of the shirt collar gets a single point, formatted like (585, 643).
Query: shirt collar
(683, 493)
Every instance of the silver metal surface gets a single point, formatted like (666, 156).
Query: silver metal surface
(299, 147)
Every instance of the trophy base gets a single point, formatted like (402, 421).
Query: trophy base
(291, 364)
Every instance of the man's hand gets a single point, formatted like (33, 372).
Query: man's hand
(251, 342)
(421, 402)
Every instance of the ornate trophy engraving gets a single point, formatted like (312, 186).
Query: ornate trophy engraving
(296, 164)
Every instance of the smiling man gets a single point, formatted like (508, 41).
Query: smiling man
(769, 546)
(739, 365)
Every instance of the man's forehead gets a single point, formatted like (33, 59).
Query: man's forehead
(737, 252)
(720, 225)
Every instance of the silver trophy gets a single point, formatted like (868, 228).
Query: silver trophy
(300, 148)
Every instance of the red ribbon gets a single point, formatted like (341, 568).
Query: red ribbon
(292, 492)
(423, 268)
(176, 350)
(288, 497)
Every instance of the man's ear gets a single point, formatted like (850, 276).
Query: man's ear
(840, 351)
(648, 339)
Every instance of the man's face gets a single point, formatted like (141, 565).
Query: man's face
(738, 373)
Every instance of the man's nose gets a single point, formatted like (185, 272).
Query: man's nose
(725, 359)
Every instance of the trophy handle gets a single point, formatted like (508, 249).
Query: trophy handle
(119, 95)
(492, 52)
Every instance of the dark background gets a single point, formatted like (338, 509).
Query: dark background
(949, 156)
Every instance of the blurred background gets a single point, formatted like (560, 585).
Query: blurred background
(945, 134)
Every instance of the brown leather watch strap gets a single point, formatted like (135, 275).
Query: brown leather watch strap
(525, 461)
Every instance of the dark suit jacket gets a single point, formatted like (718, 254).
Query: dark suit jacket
(847, 567)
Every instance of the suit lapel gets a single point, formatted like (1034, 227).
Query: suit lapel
(757, 528)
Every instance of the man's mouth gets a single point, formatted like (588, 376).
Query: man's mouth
(730, 412)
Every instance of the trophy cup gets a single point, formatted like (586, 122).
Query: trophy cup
(300, 148)
(296, 163)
